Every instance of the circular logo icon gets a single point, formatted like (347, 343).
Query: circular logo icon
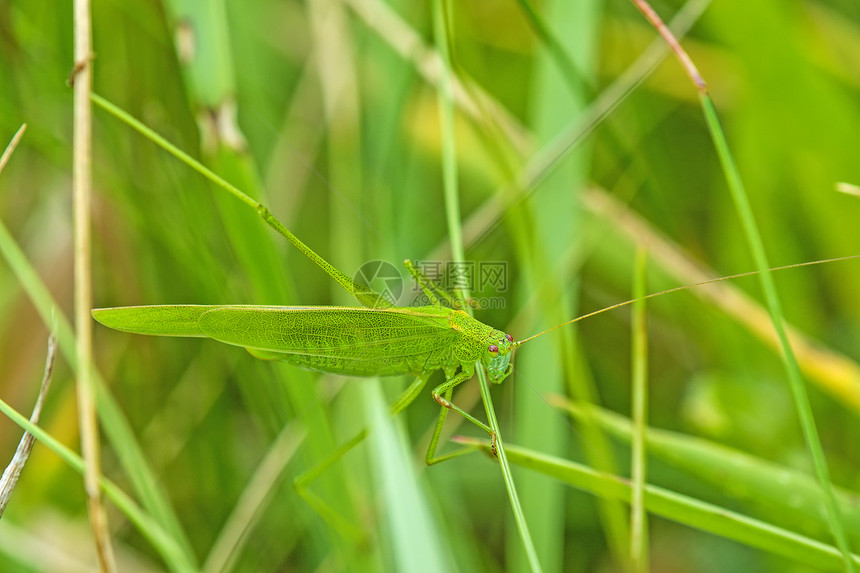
(382, 277)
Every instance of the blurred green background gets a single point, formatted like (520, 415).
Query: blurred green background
(326, 111)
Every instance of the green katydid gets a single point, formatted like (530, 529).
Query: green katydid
(375, 340)
(352, 341)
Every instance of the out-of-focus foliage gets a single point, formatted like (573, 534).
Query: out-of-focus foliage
(326, 112)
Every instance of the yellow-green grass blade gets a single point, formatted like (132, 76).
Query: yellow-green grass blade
(683, 509)
(758, 483)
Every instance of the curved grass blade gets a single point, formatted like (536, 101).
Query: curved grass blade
(683, 509)
(750, 479)
(10, 476)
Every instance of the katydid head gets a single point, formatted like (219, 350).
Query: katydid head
(497, 356)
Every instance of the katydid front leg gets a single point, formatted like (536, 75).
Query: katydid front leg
(442, 395)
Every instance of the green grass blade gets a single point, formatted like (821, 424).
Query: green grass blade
(683, 509)
(415, 536)
(795, 379)
(748, 479)
(452, 209)
(639, 393)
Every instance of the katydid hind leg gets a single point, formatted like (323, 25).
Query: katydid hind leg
(302, 483)
(334, 519)
(430, 458)
(408, 396)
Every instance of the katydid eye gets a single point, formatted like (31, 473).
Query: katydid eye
(509, 337)
(493, 349)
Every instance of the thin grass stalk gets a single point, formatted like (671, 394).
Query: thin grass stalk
(756, 245)
(639, 478)
(81, 191)
(795, 379)
(10, 148)
(10, 476)
(452, 210)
